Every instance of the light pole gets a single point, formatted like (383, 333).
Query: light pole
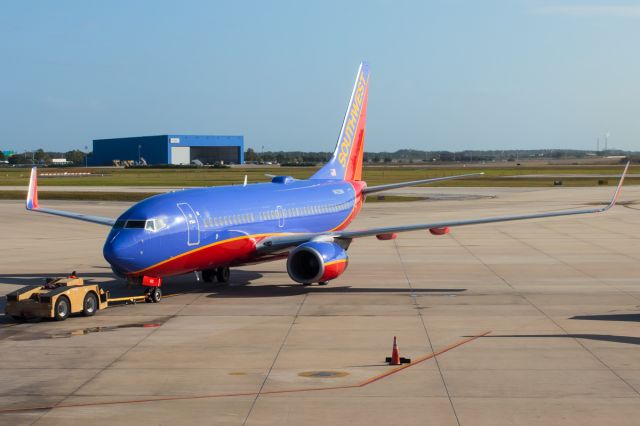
(86, 155)
(139, 156)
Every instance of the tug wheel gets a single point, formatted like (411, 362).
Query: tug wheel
(61, 309)
(90, 305)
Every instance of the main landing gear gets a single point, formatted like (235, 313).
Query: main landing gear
(319, 283)
(220, 274)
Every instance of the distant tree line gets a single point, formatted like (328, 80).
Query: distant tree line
(418, 156)
(301, 158)
(41, 157)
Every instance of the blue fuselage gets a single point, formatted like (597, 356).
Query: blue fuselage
(197, 229)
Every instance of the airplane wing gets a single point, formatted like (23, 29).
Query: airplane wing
(379, 188)
(32, 205)
(279, 243)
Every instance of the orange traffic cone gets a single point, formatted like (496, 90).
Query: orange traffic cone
(395, 354)
(395, 358)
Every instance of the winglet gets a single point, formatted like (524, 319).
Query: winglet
(614, 200)
(32, 195)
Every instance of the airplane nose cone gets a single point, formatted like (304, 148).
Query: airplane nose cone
(122, 251)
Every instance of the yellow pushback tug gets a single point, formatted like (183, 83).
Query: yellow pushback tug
(57, 299)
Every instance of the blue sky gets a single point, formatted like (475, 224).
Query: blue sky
(494, 74)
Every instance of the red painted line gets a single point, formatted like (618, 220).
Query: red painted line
(236, 394)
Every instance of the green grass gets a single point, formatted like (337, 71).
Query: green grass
(374, 175)
(78, 195)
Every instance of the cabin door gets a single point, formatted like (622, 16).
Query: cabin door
(193, 228)
(280, 213)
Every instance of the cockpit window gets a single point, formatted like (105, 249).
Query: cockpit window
(119, 223)
(135, 224)
(155, 225)
(160, 224)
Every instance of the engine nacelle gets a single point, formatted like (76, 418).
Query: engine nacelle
(316, 261)
(439, 231)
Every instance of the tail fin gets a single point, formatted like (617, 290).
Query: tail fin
(346, 162)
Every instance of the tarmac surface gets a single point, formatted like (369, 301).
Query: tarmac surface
(533, 322)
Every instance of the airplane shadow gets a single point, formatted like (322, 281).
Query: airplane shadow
(630, 340)
(236, 290)
(609, 317)
(239, 287)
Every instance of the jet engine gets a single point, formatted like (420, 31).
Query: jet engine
(316, 262)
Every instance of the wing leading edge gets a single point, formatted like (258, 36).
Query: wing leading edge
(380, 188)
(32, 205)
(280, 243)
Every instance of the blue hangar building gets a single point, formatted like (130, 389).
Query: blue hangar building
(169, 149)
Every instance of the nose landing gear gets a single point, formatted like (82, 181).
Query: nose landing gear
(153, 295)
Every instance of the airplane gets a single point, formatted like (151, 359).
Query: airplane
(208, 230)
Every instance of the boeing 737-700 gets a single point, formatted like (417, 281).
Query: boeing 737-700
(208, 230)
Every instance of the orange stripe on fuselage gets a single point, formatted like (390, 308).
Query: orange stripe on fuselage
(242, 253)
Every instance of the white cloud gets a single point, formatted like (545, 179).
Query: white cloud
(591, 10)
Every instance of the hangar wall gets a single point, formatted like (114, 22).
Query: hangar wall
(169, 149)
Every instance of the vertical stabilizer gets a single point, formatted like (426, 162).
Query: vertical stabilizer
(346, 162)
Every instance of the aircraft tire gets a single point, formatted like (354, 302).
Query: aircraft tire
(209, 275)
(89, 304)
(61, 309)
(154, 295)
(19, 318)
(222, 274)
(323, 283)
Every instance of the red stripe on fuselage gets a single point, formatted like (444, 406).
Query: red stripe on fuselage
(235, 251)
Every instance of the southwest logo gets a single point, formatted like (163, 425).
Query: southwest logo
(352, 122)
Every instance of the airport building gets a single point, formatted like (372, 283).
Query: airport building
(168, 149)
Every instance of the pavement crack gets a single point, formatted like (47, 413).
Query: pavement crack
(424, 326)
(275, 358)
